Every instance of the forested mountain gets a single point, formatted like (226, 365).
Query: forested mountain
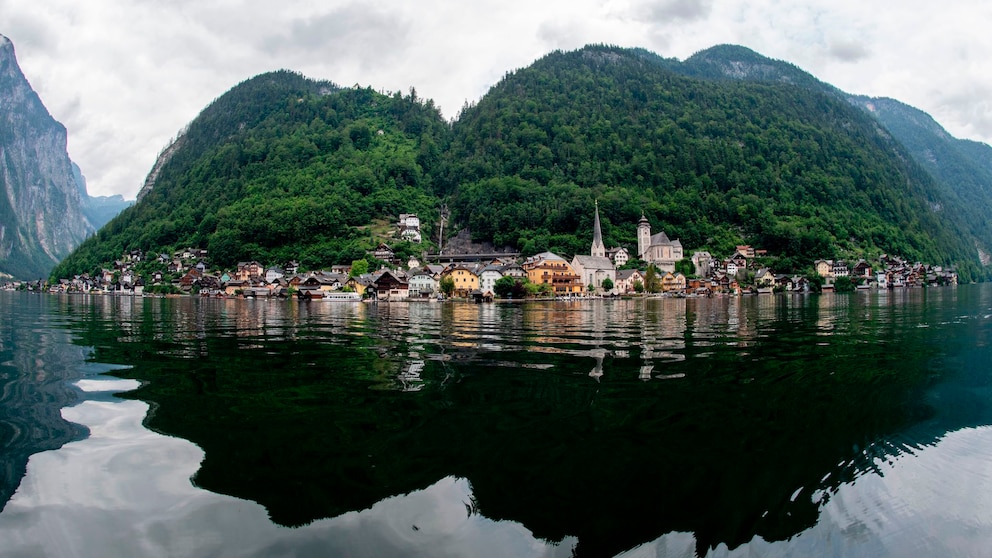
(281, 168)
(963, 168)
(714, 162)
(724, 148)
(41, 219)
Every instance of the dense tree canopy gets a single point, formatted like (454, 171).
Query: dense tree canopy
(713, 163)
(284, 168)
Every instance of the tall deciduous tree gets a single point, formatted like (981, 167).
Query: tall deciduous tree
(652, 282)
(447, 285)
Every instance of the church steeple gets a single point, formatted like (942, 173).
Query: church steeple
(598, 248)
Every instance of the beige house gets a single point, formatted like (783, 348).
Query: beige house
(548, 268)
(824, 268)
(626, 278)
(673, 282)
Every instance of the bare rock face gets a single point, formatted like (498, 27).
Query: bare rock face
(41, 219)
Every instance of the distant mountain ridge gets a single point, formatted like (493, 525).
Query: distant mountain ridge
(41, 218)
(723, 148)
(99, 210)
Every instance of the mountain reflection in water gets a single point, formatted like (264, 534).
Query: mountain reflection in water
(608, 425)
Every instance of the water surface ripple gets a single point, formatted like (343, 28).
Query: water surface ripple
(771, 425)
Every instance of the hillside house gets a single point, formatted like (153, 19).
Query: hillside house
(861, 270)
(409, 227)
(249, 270)
(619, 256)
(824, 268)
(383, 252)
(273, 274)
(764, 278)
(703, 263)
(745, 250)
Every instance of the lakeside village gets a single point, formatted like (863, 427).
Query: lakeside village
(485, 277)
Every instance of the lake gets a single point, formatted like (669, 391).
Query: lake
(774, 425)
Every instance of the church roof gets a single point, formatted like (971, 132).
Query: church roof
(660, 238)
(594, 262)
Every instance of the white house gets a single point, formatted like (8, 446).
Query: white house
(423, 282)
(488, 277)
(619, 255)
(273, 274)
(409, 226)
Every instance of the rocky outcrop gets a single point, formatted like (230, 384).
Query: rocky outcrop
(163, 158)
(41, 219)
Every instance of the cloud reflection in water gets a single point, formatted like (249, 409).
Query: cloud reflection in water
(126, 491)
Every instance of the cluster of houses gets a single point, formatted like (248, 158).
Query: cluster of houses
(475, 277)
(895, 272)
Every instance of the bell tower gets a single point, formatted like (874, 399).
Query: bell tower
(643, 237)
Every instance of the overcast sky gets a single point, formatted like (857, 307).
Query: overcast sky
(125, 76)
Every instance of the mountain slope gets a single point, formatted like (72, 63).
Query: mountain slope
(962, 168)
(281, 168)
(791, 168)
(40, 208)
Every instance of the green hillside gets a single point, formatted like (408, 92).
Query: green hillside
(962, 168)
(788, 168)
(283, 167)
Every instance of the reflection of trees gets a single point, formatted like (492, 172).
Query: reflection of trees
(719, 450)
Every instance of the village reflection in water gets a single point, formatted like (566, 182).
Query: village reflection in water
(550, 410)
(410, 336)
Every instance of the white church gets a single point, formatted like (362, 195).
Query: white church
(657, 249)
(596, 267)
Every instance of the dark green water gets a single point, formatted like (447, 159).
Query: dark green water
(773, 425)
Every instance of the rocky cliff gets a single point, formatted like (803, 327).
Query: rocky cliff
(41, 217)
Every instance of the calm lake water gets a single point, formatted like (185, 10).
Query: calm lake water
(843, 425)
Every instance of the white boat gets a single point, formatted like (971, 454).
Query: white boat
(335, 296)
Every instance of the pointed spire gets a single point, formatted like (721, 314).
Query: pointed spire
(598, 249)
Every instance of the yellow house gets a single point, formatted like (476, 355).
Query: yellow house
(359, 284)
(465, 278)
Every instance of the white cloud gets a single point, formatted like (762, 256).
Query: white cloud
(125, 77)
